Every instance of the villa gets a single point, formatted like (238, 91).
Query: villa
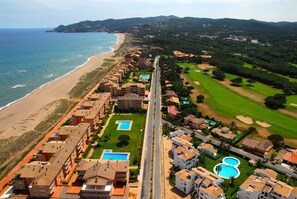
(195, 123)
(205, 184)
(261, 147)
(174, 100)
(130, 101)
(103, 179)
(290, 158)
(176, 133)
(224, 133)
(170, 93)
(172, 111)
(208, 149)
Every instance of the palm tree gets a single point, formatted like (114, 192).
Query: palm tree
(252, 130)
(218, 168)
(233, 126)
(232, 180)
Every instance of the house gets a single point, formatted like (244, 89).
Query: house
(185, 157)
(103, 179)
(203, 183)
(170, 93)
(256, 146)
(224, 133)
(172, 111)
(130, 101)
(266, 188)
(176, 133)
(208, 149)
(177, 141)
(177, 54)
(290, 158)
(195, 123)
(174, 100)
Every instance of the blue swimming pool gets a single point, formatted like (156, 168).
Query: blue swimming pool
(184, 98)
(144, 76)
(124, 125)
(231, 161)
(210, 122)
(186, 102)
(114, 156)
(228, 168)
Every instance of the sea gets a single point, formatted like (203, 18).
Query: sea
(30, 58)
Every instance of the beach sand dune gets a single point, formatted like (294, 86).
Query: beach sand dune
(25, 114)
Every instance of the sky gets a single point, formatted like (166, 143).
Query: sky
(51, 13)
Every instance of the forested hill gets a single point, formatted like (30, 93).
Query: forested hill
(172, 24)
(111, 25)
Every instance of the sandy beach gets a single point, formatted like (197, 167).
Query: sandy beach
(25, 114)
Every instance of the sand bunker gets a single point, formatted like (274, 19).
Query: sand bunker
(197, 83)
(263, 124)
(205, 66)
(245, 119)
(293, 104)
(197, 71)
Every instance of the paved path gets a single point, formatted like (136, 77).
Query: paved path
(241, 152)
(34, 151)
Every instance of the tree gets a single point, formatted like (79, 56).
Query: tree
(199, 98)
(218, 74)
(233, 126)
(252, 130)
(277, 140)
(218, 168)
(236, 81)
(250, 82)
(232, 181)
(276, 102)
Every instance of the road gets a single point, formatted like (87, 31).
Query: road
(241, 152)
(150, 132)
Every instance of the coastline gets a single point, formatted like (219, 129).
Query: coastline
(25, 113)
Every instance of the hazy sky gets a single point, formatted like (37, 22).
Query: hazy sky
(51, 13)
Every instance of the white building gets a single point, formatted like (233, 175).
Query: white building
(177, 133)
(185, 157)
(208, 149)
(203, 183)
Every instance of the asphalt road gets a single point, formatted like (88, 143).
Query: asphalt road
(150, 130)
(241, 152)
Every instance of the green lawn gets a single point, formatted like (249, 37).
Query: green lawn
(245, 171)
(230, 104)
(135, 134)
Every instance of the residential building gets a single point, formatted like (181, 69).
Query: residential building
(132, 88)
(103, 179)
(290, 158)
(202, 182)
(177, 141)
(195, 123)
(261, 147)
(170, 93)
(185, 157)
(176, 133)
(266, 188)
(208, 149)
(268, 173)
(130, 101)
(224, 133)
(174, 100)
(172, 111)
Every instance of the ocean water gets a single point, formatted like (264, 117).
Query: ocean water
(30, 58)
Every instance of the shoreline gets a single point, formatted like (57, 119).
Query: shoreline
(68, 73)
(22, 114)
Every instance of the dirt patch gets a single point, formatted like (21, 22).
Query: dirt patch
(291, 142)
(197, 71)
(293, 104)
(197, 83)
(263, 124)
(245, 119)
(205, 66)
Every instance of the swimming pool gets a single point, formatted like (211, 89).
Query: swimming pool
(210, 122)
(144, 76)
(184, 98)
(109, 155)
(124, 125)
(186, 102)
(228, 168)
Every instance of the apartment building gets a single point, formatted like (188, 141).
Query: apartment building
(130, 101)
(103, 179)
(185, 157)
(203, 183)
(41, 178)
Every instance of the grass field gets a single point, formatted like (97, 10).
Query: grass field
(245, 172)
(230, 104)
(135, 134)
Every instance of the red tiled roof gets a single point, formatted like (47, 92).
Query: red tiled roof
(291, 157)
(172, 110)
